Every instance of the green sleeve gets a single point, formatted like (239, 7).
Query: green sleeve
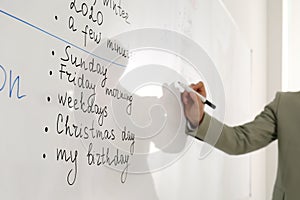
(244, 138)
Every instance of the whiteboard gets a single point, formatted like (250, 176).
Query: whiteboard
(65, 132)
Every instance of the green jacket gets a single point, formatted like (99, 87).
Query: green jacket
(279, 120)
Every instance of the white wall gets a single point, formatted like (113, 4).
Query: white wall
(261, 23)
(291, 69)
(274, 77)
(251, 17)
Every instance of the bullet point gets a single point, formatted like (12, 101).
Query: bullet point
(46, 129)
(55, 17)
(48, 99)
(50, 73)
(44, 155)
(53, 53)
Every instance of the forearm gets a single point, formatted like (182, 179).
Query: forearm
(235, 140)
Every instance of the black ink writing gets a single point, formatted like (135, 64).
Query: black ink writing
(92, 35)
(118, 94)
(85, 105)
(115, 47)
(78, 131)
(72, 24)
(61, 154)
(129, 136)
(106, 158)
(117, 9)
(88, 11)
(89, 66)
(64, 126)
(77, 80)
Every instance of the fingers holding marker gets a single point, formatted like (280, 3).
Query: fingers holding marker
(194, 97)
(186, 98)
(196, 93)
(189, 98)
(199, 87)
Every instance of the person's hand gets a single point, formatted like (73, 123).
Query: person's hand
(193, 106)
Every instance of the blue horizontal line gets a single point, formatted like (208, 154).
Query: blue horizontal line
(58, 38)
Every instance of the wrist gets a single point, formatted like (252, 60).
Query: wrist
(192, 126)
